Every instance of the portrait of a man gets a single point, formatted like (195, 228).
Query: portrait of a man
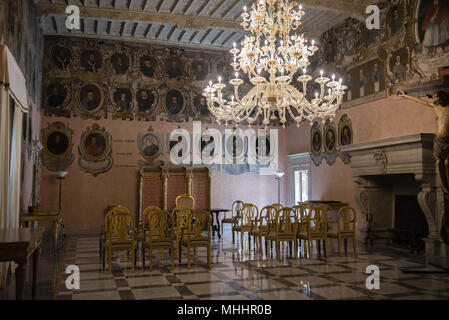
(396, 22)
(95, 145)
(174, 68)
(120, 63)
(122, 98)
(91, 61)
(399, 72)
(90, 97)
(57, 143)
(199, 70)
(316, 144)
(56, 94)
(145, 100)
(174, 102)
(150, 146)
(202, 107)
(345, 136)
(330, 140)
(148, 66)
(62, 58)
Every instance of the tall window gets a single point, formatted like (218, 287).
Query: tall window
(301, 186)
(301, 181)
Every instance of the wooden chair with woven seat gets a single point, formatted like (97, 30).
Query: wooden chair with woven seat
(316, 228)
(346, 229)
(301, 211)
(284, 229)
(198, 234)
(120, 234)
(160, 235)
(236, 210)
(250, 213)
(261, 229)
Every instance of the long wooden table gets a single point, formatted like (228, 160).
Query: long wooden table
(53, 217)
(18, 245)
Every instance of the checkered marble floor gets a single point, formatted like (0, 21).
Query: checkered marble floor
(237, 275)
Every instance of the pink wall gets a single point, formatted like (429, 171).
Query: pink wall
(382, 119)
(85, 197)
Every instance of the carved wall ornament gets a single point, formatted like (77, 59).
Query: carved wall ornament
(57, 142)
(95, 150)
(150, 145)
(345, 133)
(381, 160)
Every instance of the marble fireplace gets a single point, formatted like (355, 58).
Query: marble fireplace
(388, 169)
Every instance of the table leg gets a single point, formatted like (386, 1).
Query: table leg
(36, 256)
(218, 224)
(20, 278)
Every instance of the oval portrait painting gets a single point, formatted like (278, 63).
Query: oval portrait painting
(95, 145)
(150, 146)
(57, 143)
(345, 136)
(174, 102)
(330, 140)
(90, 97)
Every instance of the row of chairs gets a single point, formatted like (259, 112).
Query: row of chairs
(293, 225)
(160, 230)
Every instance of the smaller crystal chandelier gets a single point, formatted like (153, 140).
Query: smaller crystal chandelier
(270, 57)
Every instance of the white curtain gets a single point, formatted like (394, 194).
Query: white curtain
(12, 86)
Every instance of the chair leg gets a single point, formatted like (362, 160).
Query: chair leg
(325, 247)
(233, 237)
(241, 240)
(133, 257)
(318, 245)
(278, 250)
(151, 258)
(143, 255)
(209, 258)
(221, 227)
(260, 245)
(339, 246)
(332, 243)
(354, 243)
(109, 260)
(249, 242)
(309, 249)
(296, 249)
(346, 245)
(172, 254)
(188, 255)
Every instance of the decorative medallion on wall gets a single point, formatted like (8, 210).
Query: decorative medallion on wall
(151, 145)
(57, 98)
(330, 137)
(57, 141)
(147, 102)
(91, 101)
(95, 150)
(122, 102)
(345, 133)
(61, 60)
(175, 66)
(316, 139)
(175, 102)
(148, 66)
(381, 160)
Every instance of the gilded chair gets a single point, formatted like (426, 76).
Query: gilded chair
(316, 228)
(250, 213)
(261, 229)
(145, 229)
(235, 212)
(284, 229)
(180, 218)
(185, 201)
(346, 229)
(198, 234)
(160, 235)
(103, 235)
(278, 206)
(120, 234)
(301, 211)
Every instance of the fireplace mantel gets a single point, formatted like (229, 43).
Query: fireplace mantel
(407, 154)
(377, 165)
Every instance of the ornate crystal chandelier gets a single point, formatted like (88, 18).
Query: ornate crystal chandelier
(271, 56)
